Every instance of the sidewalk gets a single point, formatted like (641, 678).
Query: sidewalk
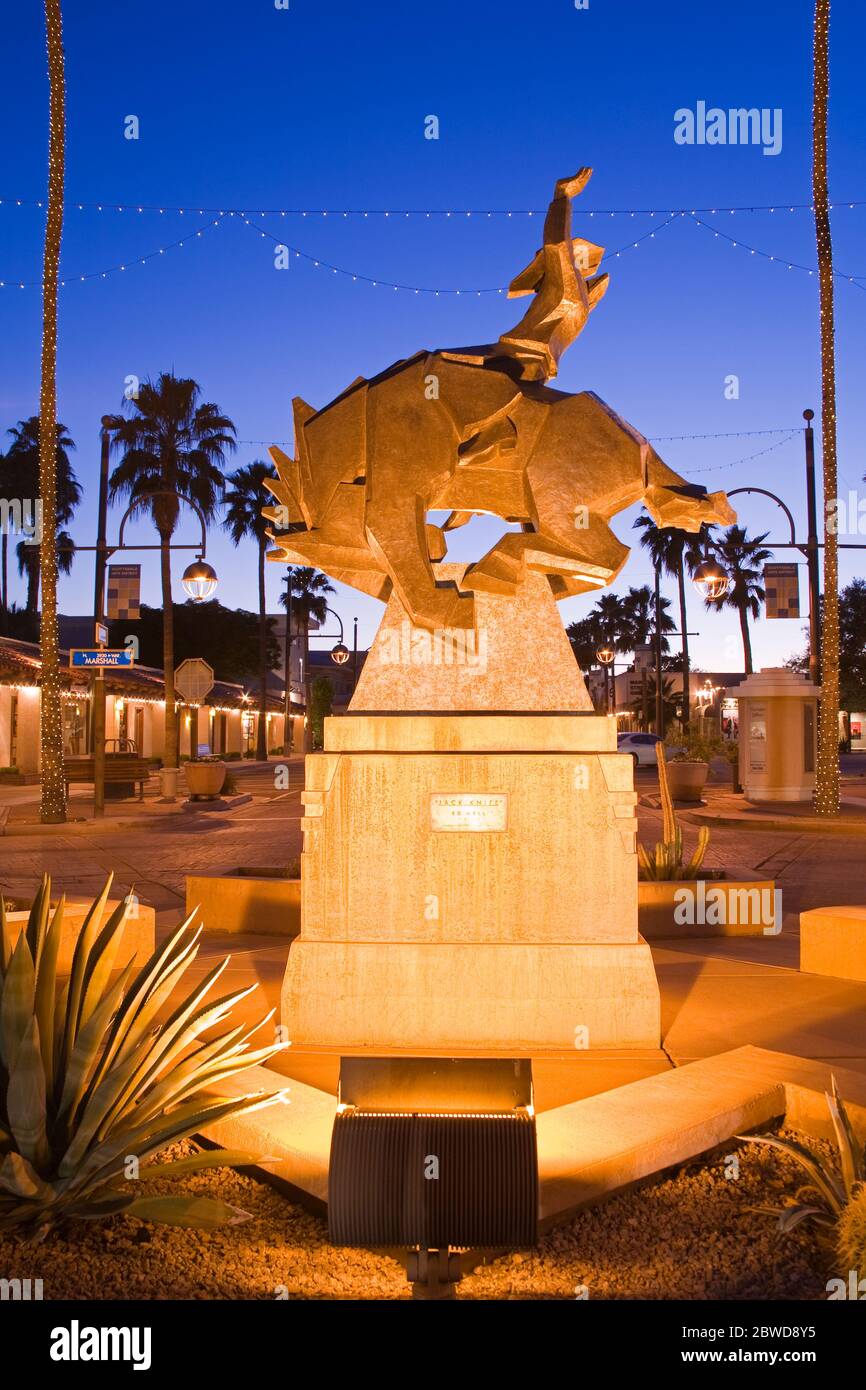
(724, 807)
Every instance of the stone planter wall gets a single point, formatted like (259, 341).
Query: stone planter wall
(253, 902)
(138, 939)
(744, 906)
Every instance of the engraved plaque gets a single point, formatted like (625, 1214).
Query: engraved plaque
(468, 810)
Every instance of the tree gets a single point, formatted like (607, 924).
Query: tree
(671, 700)
(246, 497)
(744, 560)
(172, 443)
(640, 618)
(852, 646)
(667, 548)
(226, 638)
(23, 460)
(827, 801)
(52, 808)
(585, 638)
(309, 591)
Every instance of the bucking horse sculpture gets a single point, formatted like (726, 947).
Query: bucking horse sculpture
(478, 431)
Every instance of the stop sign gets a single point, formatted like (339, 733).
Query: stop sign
(193, 680)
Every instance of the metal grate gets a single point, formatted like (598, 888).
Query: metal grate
(433, 1180)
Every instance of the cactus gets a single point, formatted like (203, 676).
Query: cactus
(667, 860)
(851, 1233)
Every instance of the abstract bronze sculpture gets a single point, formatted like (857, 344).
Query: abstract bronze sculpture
(477, 431)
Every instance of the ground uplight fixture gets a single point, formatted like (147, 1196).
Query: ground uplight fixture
(340, 654)
(710, 579)
(199, 580)
(435, 1156)
(605, 655)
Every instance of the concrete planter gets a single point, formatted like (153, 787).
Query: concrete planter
(257, 901)
(137, 940)
(687, 780)
(205, 779)
(708, 907)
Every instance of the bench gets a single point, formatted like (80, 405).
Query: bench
(833, 942)
(119, 767)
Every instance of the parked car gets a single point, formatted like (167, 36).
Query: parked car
(643, 748)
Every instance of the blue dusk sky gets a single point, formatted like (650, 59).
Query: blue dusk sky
(322, 106)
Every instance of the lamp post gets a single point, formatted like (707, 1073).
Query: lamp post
(606, 656)
(199, 580)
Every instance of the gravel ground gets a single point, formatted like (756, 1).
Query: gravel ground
(690, 1236)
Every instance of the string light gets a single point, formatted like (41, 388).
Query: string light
(114, 269)
(827, 802)
(53, 788)
(718, 467)
(105, 206)
(779, 260)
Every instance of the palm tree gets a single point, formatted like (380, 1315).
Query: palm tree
(744, 560)
(667, 548)
(647, 699)
(308, 592)
(244, 500)
(585, 638)
(173, 444)
(53, 789)
(827, 765)
(23, 459)
(640, 618)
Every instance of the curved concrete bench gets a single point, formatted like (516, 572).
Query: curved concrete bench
(833, 942)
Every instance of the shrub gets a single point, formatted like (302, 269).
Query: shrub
(89, 1079)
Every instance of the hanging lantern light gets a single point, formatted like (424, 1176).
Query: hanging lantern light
(710, 579)
(340, 654)
(605, 655)
(199, 580)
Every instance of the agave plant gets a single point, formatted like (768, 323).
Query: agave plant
(828, 1198)
(92, 1087)
(666, 860)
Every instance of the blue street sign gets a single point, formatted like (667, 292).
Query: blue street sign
(101, 657)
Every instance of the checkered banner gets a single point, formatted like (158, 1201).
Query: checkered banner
(123, 598)
(782, 586)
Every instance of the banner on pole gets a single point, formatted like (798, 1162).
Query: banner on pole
(782, 587)
(123, 596)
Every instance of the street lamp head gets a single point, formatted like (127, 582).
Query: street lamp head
(710, 579)
(605, 655)
(199, 580)
(340, 654)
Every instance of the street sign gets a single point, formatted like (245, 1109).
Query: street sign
(100, 658)
(193, 680)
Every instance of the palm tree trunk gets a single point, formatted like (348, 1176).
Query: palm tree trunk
(681, 581)
(827, 764)
(4, 573)
(747, 640)
(33, 575)
(262, 731)
(53, 790)
(169, 752)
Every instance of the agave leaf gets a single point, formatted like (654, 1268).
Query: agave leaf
(208, 1158)
(824, 1182)
(173, 1091)
(21, 1179)
(850, 1149)
(791, 1217)
(95, 1207)
(204, 1213)
(102, 959)
(78, 974)
(148, 991)
(6, 942)
(16, 1002)
(87, 1045)
(92, 1118)
(103, 1161)
(25, 1099)
(46, 986)
(37, 919)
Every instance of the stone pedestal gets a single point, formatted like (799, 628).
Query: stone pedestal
(469, 882)
(778, 719)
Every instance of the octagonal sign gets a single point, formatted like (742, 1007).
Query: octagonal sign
(193, 680)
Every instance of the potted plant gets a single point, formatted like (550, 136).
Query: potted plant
(688, 766)
(204, 777)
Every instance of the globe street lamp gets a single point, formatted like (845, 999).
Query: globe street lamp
(710, 579)
(199, 580)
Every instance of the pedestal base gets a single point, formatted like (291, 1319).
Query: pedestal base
(516, 998)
